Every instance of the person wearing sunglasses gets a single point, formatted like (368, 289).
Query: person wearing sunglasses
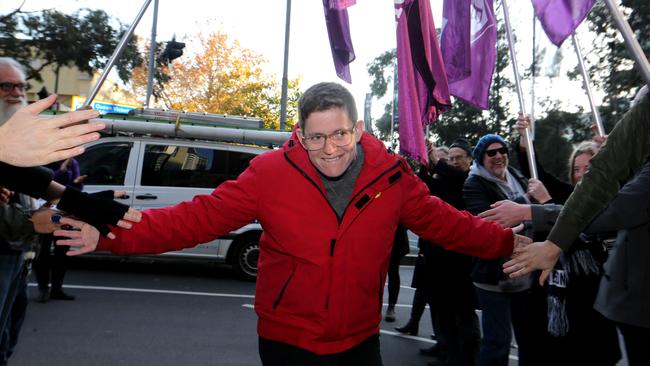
(329, 200)
(507, 304)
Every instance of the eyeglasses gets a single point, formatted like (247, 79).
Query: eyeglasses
(501, 150)
(338, 137)
(8, 87)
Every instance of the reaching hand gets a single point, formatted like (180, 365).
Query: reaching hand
(28, 139)
(537, 190)
(83, 240)
(532, 257)
(506, 213)
(521, 242)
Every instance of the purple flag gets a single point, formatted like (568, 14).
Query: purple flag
(475, 88)
(338, 30)
(422, 83)
(560, 18)
(455, 39)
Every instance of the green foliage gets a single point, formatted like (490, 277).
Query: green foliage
(85, 39)
(613, 70)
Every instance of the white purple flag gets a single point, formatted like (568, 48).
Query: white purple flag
(423, 92)
(338, 30)
(475, 87)
(455, 39)
(560, 18)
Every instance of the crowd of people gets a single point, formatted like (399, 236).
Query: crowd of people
(335, 205)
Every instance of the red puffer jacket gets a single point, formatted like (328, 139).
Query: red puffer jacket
(320, 281)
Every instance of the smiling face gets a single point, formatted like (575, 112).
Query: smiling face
(497, 165)
(12, 100)
(580, 166)
(332, 160)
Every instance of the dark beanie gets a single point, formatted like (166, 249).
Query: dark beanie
(462, 144)
(482, 145)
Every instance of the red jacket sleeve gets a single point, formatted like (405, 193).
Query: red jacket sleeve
(434, 220)
(206, 217)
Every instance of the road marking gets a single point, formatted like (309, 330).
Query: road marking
(152, 291)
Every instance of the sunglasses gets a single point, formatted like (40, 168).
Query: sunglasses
(501, 150)
(8, 87)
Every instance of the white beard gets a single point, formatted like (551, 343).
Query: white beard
(8, 110)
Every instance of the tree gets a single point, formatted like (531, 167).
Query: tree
(613, 69)
(84, 39)
(222, 77)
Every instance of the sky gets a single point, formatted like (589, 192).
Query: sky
(260, 26)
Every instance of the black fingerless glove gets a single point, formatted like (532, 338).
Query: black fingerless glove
(97, 209)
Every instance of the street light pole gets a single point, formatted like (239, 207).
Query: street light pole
(285, 80)
(152, 53)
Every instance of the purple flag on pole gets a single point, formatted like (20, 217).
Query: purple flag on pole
(455, 39)
(475, 88)
(338, 30)
(423, 92)
(560, 18)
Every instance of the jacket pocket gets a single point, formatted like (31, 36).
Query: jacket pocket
(284, 287)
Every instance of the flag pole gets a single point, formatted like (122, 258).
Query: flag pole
(116, 54)
(631, 42)
(587, 85)
(520, 94)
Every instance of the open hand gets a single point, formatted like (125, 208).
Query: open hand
(506, 213)
(28, 139)
(528, 258)
(82, 240)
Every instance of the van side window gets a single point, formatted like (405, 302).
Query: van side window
(186, 166)
(105, 164)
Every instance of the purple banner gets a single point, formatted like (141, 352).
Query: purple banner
(338, 30)
(475, 88)
(560, 18)
(422, 82)
(455, 39)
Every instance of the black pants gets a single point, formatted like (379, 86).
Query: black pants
(637, 340)
(50, 265)
(274, 353)
(458, 334)
(393, 280)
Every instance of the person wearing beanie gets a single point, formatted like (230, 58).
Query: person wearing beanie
(505, 302)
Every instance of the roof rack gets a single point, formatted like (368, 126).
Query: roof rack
(211, 119)
(180, 129)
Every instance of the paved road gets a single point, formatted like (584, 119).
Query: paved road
(168, 314)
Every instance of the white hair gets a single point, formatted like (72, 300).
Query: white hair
(8, 61)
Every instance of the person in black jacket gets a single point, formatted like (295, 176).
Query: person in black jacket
(506, 303)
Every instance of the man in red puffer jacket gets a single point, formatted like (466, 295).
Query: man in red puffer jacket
(329, 201)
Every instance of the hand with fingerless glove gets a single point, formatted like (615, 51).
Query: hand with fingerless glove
(97, 209)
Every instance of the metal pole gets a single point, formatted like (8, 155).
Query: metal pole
(285, 79)
(587, 85)
(520, 94)
(631, 42)
(152, 53)
(116, 54)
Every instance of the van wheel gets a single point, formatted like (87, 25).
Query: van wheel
(244, 258)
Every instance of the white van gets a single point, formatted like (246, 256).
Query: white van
(158, 172)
